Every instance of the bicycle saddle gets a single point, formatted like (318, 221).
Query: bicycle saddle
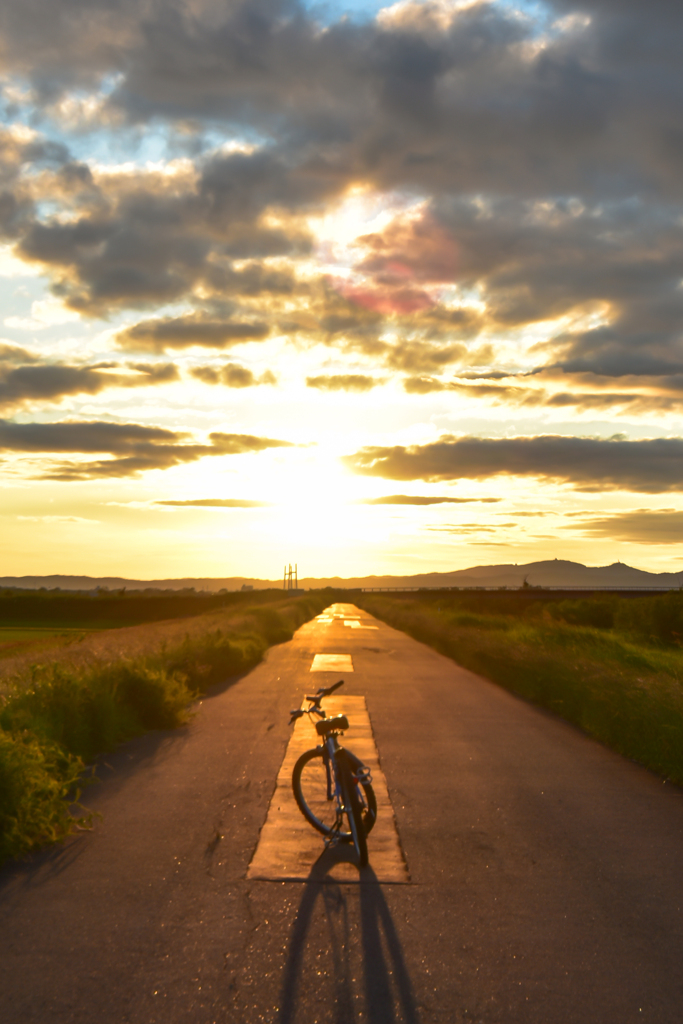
(335, 724)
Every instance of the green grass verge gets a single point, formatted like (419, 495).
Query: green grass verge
(58, 718)
(625, 692)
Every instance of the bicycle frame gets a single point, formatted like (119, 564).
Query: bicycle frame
(333, 753)
(331, 749)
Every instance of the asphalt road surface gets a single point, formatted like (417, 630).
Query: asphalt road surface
(546, 872)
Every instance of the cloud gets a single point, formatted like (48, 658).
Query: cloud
(412, 499)
(472, 97)
(22, 384)
(343, 382)
(236, 444)
(527, 170)
(640, 526)
(547, 162)
(217, 503)
(144, 237)
(590, 464)
(165, 333)
(133, 448)
(16, 354)
(410, 249)
(425, 385)
(468, 528)
(55, 519)
(649, 394)
(232, 376)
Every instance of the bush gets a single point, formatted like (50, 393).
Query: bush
(37, 785)
(596, 611)
(658, 618)
(87, 712)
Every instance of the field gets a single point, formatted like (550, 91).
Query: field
(104, 609)
(31, 640)
(613, 666)
(70, 694)
(83, 628)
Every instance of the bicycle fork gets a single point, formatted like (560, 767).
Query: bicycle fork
(356, 774)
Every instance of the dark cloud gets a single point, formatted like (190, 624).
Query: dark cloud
(421, 355)
(232, 376)
(53, 382)
(412, 499)
(638, 402)
(424, 385)
(133, 448)
(16, 354)
(87, 437)
(165, 333)
(145, 238)
(217, 503)
(550, 166)
(640, 526)
(343, 382)
(236, 444)
(417, 250)
(427, 98)
(590, 464)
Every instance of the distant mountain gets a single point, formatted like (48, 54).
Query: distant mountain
(119, 582)
(551, 573)
(555, 573)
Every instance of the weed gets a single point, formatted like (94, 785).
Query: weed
(38, 782)
(614, 684)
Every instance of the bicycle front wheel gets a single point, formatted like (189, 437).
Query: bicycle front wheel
(309, 784)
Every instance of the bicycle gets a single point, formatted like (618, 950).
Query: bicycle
(330, 783)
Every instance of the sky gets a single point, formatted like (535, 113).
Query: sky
(372, 289)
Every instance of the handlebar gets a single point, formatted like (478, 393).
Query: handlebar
(314, 701)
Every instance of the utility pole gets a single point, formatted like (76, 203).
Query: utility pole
(291, 578)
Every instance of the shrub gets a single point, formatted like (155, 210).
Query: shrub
(658, 618)
(37, 784)
(596, 611)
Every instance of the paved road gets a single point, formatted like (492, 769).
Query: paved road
(547, 873)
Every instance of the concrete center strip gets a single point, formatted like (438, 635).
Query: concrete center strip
(289, 847)
(332, 663)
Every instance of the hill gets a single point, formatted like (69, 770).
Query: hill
(550, 573)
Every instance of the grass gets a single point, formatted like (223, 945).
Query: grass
(622, 686)
(58, 716)
(21, 640)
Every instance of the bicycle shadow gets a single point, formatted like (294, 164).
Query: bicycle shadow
(387, 986)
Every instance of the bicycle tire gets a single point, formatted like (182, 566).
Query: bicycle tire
(354, 814)
(309, 785)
